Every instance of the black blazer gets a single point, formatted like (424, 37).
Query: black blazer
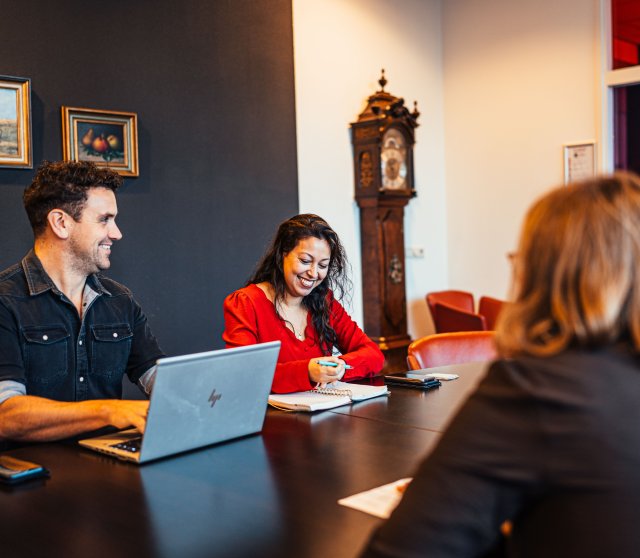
(551, 444)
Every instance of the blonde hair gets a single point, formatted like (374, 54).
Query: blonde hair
(576, 280)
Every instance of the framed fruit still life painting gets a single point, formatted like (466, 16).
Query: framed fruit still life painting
(105, 137)
(15, 122)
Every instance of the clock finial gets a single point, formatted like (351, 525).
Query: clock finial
(415, 112)
(382, 81)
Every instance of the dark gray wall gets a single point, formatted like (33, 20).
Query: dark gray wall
(212, 84)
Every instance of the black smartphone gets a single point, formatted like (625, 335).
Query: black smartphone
(13, 470)
(401, 379)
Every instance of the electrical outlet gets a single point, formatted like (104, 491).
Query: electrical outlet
(415, 252)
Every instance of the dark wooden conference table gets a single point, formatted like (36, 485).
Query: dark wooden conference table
(268, 495)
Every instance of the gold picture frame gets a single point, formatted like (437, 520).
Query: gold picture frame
(15, 123)
(107, 138)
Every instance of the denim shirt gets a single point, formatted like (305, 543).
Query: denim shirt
(48, 347)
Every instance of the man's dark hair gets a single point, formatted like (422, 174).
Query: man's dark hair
(64, 185)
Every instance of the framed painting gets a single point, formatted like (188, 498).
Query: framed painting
(15, 123)
(105, 137)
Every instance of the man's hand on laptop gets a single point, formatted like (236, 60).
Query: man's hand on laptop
(124, 413)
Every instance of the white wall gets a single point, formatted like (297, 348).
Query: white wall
(339, 48)
(520, 80)
(501, 85)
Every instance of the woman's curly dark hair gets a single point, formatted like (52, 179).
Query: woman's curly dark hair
(64, 185)
(318, 302)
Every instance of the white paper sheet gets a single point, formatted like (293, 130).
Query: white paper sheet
(380, 501)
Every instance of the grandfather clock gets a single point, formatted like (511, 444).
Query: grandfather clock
(383, 139)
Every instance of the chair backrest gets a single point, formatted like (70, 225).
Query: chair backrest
(490, 308)
(448, 318)
(459, 347)
(459, 299)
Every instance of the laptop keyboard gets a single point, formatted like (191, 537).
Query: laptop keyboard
(132, 445)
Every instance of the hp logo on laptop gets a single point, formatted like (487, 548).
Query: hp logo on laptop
(214, 397)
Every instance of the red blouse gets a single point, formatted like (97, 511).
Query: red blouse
(250, 317)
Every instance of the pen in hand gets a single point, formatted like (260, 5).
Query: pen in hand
(332, 364)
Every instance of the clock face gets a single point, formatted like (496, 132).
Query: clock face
(393, 160)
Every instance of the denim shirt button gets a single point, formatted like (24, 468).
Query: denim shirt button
(80, 342)
(81, 379)
(115, 334)
(45, 337)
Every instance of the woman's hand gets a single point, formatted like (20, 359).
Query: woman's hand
(322, 374)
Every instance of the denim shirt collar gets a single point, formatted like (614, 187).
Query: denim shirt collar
(39, 281)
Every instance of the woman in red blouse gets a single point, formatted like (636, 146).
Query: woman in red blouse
(290, 298)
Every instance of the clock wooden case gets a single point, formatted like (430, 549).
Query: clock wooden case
(383, 139)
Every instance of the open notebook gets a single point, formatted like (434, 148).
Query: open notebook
(334, 395)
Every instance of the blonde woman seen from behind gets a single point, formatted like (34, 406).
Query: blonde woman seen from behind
(550, 440)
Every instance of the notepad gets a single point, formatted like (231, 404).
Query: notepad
(334, 395)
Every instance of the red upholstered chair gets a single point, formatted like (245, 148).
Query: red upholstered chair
(459, 299)
(458, 347)
(490, 308)
(448, 318)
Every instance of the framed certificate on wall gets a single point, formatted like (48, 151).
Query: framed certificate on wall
(579, 161)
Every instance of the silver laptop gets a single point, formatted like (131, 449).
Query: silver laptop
(198, 400)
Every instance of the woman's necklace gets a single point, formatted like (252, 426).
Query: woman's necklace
(299, 335)
(302, 323)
